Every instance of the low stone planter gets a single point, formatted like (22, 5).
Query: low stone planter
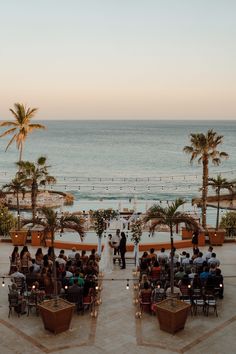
(56, 318)
(172, 315)
(18, 237)
(187, 235)
(216, 237)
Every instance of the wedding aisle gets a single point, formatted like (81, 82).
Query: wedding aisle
(116, 320)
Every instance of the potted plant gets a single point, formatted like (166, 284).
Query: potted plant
(228, 223)
(136, 234)
(172, 313)
(217, 236)
(17, 187)
(57, 313)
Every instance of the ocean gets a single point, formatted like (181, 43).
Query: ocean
(123, 161)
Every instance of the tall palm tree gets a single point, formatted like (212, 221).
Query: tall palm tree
(17, 186)
(35, 175)
(21, 127)
(169, 216)
(204, 148)
(53, 223)
(218, 184)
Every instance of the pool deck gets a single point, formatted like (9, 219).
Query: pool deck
(116, 330)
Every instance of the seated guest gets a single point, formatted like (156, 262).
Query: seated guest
(182, 257)
(155, 271)
(219, 283)
(36, 267)
(144, 266)
(176, 290)
(79, 278)
(71, 255)
(184, 286)
(84, 257)
(180, 274)
(39, 257)
(144, 279)
(214, 260)
(186, 262)
(38, 292)
(192, 274)
(31, 277)
(61, 261)
(204, 275)
(14, 260)
(198, 261)
(175, 256)
(62, 252)
(152, 255)
(208, 254)
(196, 282)
(75, 294)
(22, 302)
(163, 257)
(145, 297)
(158, 293)
(25, 260)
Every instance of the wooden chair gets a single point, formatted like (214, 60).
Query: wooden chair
(145, 302)
(210, 302)
(14, 303)
(198, 301)
(32, 302)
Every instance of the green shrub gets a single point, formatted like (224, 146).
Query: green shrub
(7, 221)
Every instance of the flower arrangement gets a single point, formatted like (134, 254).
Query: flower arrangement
(100, 218)
(136, 231)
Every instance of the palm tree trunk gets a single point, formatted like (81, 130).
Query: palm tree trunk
(34, 192)
(204, 190)
(21, 152)
(54, 270)
(171, 261)
(218, 209)
(18, 210)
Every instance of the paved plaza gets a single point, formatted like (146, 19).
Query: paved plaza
(116, 330)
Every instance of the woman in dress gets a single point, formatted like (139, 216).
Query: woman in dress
(107, 256)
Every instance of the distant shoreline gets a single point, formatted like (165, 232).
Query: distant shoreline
(51, 199)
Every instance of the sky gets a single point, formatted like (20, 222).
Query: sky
(119, 59)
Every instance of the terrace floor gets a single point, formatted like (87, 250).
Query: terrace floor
(116, 330)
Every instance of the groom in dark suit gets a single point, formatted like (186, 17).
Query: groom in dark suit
(123, 249)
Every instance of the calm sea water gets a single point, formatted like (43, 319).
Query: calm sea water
(117, 159)
(121, 160)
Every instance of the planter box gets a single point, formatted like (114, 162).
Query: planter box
(216, 238)
(56, 319)
(19, 237)
(187, 235)
(172, 315)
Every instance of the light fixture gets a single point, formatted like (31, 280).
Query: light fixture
(66, 287)
(127, 286)
(3, 282)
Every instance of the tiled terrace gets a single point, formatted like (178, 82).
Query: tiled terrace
(116, 330)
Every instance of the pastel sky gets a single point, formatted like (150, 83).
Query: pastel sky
(119, 59)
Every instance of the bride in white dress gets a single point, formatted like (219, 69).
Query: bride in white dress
(107, 256)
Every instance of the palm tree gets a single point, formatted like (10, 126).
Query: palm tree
(21, 127)
(53, 223)
(35, 175)
(204, 147)
(17, 185)
(169, 216)
(218, 184)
